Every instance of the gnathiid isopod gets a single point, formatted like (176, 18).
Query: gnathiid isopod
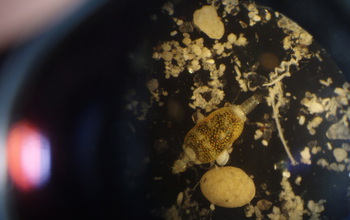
(215, 134)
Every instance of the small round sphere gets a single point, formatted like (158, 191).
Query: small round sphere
(228, 187)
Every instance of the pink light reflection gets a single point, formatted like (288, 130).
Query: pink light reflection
(28, 156)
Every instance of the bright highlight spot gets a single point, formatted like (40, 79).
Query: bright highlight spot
(28, 156)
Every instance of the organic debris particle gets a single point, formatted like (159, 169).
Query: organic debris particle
(253, 14)
(338, 131)
(152, 85)
(229, 6)
(257, 212)
(314, 123)
(316, 149)
(179, 22)
(346, 146)
(231, 38)
(212, 207)
(264, 204)
(276, 214)
(323, 163)
(327, 82)
(312, 103)
(329, 146)
(242, 82)
(292, 206)
(286, 173)
(186, 40)
(265, 143)
(208, 21)
(180, 198)
(334, 166)
(168, 8)
(298, 180)
(199, 101)
(219, 48)
(243, 24)
(241, 41)
(298, 34)
(185, 205)
(172, 214)
(186, 27)
(297, 39)
(315, 208)
(305, 156)
(267, 15)
(340, 154)
(249, 210)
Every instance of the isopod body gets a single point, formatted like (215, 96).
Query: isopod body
(214, 134)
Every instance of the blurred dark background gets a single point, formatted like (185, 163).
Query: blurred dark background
(327, 20)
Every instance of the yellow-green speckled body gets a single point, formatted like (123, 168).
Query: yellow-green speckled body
(214, 134)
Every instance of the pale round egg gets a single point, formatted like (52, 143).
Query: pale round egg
(228, 187)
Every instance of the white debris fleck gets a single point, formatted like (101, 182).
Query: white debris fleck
(298, 180)
(265, 143)
(212, 207)
(208, 21)
(210, 61)
(242, 82)
(311, 102)
(305, 156)
(340, 154)
(173, 33)
(256, 18)
(253, 14)
(268, 16)
(314, 123)
(327, 82)
(258, 134)
(179, 22)
(286, 174)
(301, 119)
(329, 146)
